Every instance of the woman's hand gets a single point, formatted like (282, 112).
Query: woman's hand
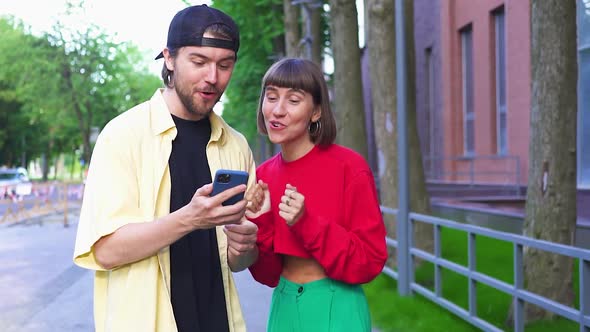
(258, 200)
(292, 205)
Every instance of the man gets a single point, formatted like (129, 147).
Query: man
(162, 248)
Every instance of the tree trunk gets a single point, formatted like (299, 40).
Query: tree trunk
(381, 46)
(551, 194)
(348, 96)
(292, 29)
(380, 42)
(316, 35)
(45, 166)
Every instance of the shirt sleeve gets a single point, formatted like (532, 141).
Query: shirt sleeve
(110, 201)
(352, 250)
(269, 265)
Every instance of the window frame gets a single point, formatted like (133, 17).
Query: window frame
(468, 90)
(499, 17)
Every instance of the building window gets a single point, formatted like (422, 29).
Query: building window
(467, 89)
(583, 21)
(500, 44)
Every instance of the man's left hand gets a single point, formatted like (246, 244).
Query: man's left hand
(241, 244)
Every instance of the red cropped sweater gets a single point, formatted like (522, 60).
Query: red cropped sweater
(342, 228)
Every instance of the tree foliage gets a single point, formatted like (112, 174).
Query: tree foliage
(259, 26)
(55, 87)
(21, 133)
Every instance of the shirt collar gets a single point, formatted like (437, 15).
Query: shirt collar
(161, 118)
(218, 129)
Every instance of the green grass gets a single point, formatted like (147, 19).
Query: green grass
(391, 312)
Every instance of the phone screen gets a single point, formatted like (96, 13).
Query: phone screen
(225, 179)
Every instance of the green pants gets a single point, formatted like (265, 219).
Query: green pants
(324, 305)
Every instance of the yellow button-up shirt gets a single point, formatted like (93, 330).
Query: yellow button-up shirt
(129, 182)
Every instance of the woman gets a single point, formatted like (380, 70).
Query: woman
(321, 232)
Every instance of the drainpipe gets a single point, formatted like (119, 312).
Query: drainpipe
(403, 234)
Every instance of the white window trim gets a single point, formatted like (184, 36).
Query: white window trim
(500, 109)
(467, 116)
(579, 138)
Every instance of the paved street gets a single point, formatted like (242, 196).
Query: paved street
(42, 291)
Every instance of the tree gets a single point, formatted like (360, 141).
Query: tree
(292, 29)
(381, 46)
(551, 194)
(67, 82)
(347, 82)
(317, 34)
(260, 31)
(96, 77)
(23, 57)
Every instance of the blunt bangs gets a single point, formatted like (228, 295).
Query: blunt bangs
(294, 74)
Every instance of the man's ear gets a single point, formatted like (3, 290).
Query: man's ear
(168, 59)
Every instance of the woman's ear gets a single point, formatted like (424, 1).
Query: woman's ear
(317, 114)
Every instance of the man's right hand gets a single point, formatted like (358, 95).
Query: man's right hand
(204, 211)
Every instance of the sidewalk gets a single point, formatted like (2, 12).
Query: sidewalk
(42, 291)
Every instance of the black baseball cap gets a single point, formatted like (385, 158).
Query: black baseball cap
(189, 25)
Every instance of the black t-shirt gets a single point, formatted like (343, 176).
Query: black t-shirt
(196, 282)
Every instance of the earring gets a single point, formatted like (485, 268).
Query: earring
(314, 128)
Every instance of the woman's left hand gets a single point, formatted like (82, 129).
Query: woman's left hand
(292, 205)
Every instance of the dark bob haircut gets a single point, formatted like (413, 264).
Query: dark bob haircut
(302, 74)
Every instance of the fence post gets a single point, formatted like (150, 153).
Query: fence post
(518, 285)
(65, 198)
(584, 272)
(403, 252)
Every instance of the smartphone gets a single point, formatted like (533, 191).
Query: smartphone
(225, 179)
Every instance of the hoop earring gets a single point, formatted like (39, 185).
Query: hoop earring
(314, 128)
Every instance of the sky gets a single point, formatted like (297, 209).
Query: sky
(143, 22)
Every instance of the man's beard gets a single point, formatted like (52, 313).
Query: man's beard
(187, 99)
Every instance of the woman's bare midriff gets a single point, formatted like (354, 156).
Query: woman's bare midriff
(302, 270)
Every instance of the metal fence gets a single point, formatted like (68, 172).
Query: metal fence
(516, 290)
(40, 199)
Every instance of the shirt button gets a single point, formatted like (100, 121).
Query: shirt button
(300, 290)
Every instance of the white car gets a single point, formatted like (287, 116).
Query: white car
(14, 182)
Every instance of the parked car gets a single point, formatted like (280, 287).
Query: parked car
(14, 182)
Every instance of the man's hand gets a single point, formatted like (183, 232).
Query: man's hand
(204, 211)
(241, 244)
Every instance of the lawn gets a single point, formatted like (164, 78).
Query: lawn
(392, 312)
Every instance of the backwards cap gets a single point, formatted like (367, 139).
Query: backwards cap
(189, 25)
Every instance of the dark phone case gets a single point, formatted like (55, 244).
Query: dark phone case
(236, 178)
